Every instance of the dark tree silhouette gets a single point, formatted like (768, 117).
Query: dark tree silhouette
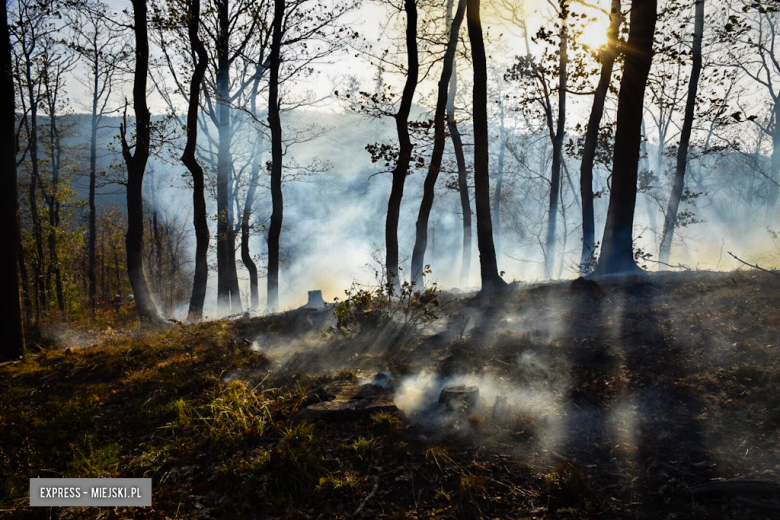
(491, 279)
(421, 241)
(592, 134)
(617, 252)
(228, 296)
(685, 139)
(274, 119)
(136, 167)
(401, 169)
(199, 216)
(11, 317)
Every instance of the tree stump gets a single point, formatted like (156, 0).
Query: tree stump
(315, 300)
(460, 398)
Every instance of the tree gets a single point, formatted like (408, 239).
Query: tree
(199, 216)
(608, 56)
(752, 34)
(30, 29)
(11, 317)
(617, 254)
(136, 167)
(685, 138)
(57, 63)
(460, 159)
(276, 159)
(401, 169)
(491, 279)
(103, 48)
(434, 167)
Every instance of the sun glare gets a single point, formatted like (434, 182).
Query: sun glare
(594, 33)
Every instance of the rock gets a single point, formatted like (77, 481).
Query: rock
(459, 397)
(346, 401)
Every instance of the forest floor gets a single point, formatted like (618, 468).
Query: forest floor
(653, 396)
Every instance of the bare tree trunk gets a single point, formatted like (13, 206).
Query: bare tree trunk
(592, 137)
(685, 139)
(199, 216)
(11, 317)
(92, 186)
(246, 257)
(401, 169)
(228, 297)
(460, 159)
(500, 176)
(557, 141)
(491, 279)
(274, 119)
(421, 242)
(41, 301)
(53, 200)
(136, 167)
(617, 254)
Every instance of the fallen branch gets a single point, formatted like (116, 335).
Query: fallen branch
(368, 497)
(754, 266)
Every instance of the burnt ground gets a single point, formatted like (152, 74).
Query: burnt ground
(655, 396)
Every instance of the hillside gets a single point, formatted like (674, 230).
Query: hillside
(655, 396)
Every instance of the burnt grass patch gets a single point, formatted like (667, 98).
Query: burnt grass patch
(658, 387)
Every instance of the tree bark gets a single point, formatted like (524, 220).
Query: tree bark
(685, 138)
(592, 137)
(401, 169)
(199, 216)
(617, 254)
(12, 346)
(246, 256)
(557, 142)
(136, 167)
(500, 176)
(228, 297)
(460, 159)
(274, 119)
(421, 241)
(92, 241)
(491, 279)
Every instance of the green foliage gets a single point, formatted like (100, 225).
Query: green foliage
(93, 460)
(385, 422)
(365, 447)
(387, 305)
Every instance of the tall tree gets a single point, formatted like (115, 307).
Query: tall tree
(136, 167)
(57, 63)
(275, 122)
(460, 159)
(228, 297)
(30, 29)
(421, 241)
(491, 279)
(401, 169)
(617, 253)
(608, 56)
(199, 215)
(102, 48)
(11, 317)
(685, 138)
(557, 135)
